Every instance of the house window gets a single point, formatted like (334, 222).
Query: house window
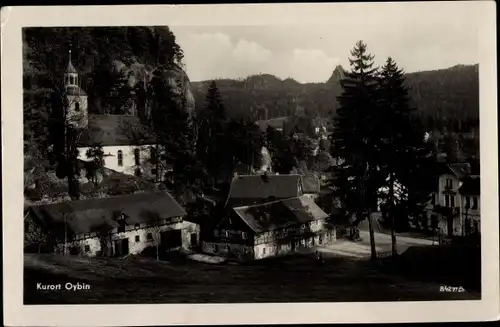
(137, 157)
(137, 239)
(474, 202)
(150, 237)
(264, 251)
(120, 158)
(244, 235)
(449, 183)
(87, 248)
(77, 107)
(449, 201)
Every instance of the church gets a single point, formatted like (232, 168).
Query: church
(128, 145)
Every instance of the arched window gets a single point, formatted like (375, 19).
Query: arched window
(77, 106)
(120, 158)
(137, 157)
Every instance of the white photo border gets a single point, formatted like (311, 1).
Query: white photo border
(13, 19)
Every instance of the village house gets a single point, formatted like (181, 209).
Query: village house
(277, 198)
(454, 206)
(114, 226)
(270, 229)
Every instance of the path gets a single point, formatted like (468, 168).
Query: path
(361, 249)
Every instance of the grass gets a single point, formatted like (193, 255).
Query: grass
(295, 278)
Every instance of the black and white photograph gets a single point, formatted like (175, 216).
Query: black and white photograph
(215, 162)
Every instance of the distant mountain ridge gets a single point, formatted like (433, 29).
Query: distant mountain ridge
(450, 93)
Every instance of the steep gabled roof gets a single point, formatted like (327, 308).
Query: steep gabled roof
(254, 189)
(86, 216)
(280, 214)
(115, 130)
(460, 170)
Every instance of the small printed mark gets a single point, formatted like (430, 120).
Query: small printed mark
(451, 289)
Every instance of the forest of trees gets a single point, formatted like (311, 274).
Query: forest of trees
(445, 98)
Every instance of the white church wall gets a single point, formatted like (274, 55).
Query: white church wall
(111, 161)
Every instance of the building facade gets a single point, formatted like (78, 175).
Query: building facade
(116, 226)
(269, 229)
(454, 209)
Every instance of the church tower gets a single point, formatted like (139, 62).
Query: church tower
(77, 100)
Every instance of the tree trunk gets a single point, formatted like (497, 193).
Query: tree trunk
(372, 236)
(391, 213)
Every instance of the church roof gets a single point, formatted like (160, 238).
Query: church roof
(70, 69)
(108, 130)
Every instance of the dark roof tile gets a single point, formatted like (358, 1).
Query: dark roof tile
(280, 214)
(253, 189)
(86, 216)
(115, 130)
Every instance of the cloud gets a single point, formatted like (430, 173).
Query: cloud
(248, 51)
(218, 55)
(312, 65)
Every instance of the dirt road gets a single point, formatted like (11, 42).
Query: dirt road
(362, 249)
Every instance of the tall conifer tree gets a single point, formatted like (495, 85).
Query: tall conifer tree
(354, 139)
(404, 154)
(212, 136)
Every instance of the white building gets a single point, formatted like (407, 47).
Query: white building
(457, 196)
(128, 144)
(115, 226)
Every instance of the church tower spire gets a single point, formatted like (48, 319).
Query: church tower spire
(70, 75)
(76, 111)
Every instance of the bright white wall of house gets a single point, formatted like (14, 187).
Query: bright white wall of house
(454, 188)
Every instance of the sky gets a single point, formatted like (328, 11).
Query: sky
(418, 40)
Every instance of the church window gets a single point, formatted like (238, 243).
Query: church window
(120, 158)
(137, 157)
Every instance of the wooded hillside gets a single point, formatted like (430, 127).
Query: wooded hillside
(445, 94)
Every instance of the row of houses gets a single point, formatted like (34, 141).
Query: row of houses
(262, 216)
